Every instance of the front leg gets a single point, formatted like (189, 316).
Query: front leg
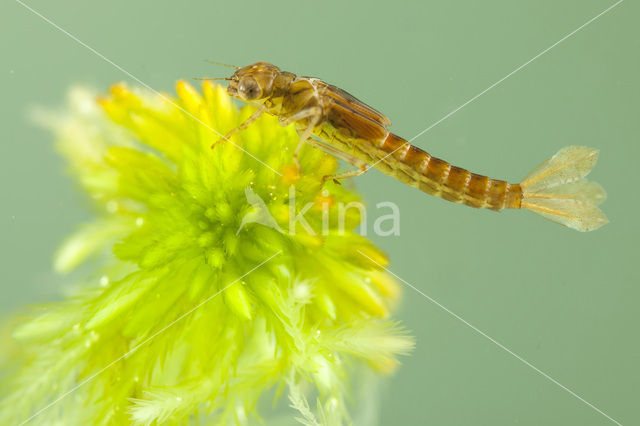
(314, 114)
(246, 123)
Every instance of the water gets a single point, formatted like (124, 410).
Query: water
(563, 301)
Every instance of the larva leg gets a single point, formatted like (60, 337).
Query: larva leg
(361, 166)
(362, 169)
(246, 123)
(314, 114)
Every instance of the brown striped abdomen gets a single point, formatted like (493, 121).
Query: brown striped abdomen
(437, 177)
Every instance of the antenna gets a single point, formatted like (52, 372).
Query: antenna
(221, 64)
(210, 79)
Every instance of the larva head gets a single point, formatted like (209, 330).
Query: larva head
(253, 82)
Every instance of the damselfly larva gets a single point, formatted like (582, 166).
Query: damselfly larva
(331, 119)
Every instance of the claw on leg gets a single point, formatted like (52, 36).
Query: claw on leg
(362, 169)
(297, 163)
(222, 139)
(325, 178)
(246, 123)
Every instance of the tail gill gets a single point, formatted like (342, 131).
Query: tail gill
(557, 190)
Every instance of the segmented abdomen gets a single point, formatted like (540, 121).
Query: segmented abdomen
(434, 176)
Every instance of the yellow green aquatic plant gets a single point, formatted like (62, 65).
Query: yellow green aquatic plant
(197, 305)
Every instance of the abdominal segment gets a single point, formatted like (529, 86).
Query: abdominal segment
(411, 165)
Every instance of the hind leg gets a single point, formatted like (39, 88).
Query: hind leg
(361, 166)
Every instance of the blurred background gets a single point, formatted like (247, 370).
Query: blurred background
(566, 302)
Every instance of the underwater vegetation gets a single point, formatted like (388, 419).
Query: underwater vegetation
(190, 312)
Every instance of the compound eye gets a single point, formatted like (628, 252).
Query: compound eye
(249, 88)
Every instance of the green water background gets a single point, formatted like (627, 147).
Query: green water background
(564, 301)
